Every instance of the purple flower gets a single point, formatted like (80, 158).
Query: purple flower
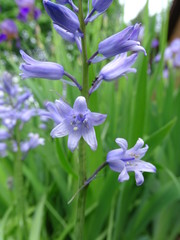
(123, 160)
(68, 36)
(99, 6)
(117, 68)
(9, 30)
(176, 62)
(33, 142)
(155, 43)
(77, 122)
(63, 17)
(3, 148)
(7, 84)
(124, 41)
(27, 8)
(70, 2)
(4, 135)
(37, 69)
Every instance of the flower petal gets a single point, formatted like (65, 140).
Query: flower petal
(80, 105)
(63, 108)
(89, 136)
(60, 130)
(73, 140)
(123, 176)
(122, 143)
(96, 118)
(139, 178)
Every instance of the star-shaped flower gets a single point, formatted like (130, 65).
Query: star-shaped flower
(77, 122)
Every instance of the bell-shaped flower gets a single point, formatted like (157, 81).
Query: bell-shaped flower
(63, 17)
(3, 148)
(37, 69)
(117, 68)
(68, 36)
(49, 70)
(7, 84)
(124, 41)
(9, 30)
(4, 135)
(99, 6)
(123, 160)
(70, 2)
(77, 122)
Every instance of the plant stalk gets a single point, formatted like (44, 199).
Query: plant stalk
(80, 219)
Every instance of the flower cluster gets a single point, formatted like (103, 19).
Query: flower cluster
(79, 121)
(171, 56)
(15, 110)
(27, 8)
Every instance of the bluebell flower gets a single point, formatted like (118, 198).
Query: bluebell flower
(63, 17)
(27, 8)
(68, 36)
(117, 68)
(123, 160)
(99, 6)
(9, 30)
(37, 69)
(124, 41)
(3, 148)
(33, 142)
(49, 70)
(77, 122)
(7, 84)
(4, 135)
(70, 2)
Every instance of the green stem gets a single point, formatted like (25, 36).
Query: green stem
(79, 229)
(19, 189)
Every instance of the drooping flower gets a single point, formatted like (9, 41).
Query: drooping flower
(9, 30)
(63, 17)
(126, 160)
(77, 122)
(27, 8)
(33, 142)
(117, 68)
(36, 69)
(99, 6)
(70, 2)
(68, 36)
(124, 41)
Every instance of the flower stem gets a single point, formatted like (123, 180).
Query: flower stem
(19, 189)
(79, 229)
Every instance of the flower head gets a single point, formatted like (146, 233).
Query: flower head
(99, 6)
(77, 122)
(63, 17)
(126, 160)
(9, 30)
(27, 8)
(37, 69)
(124, 41)
(117, 68)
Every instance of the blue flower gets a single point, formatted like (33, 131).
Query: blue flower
(68, 36)
(3, 148)
(77, 122)
(124, 41)
(63, 17)
(99, 6)
(37, 69)
(117, 68)
(123, 160)
(70, 2)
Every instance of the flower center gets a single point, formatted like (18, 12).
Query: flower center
(79, 121)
